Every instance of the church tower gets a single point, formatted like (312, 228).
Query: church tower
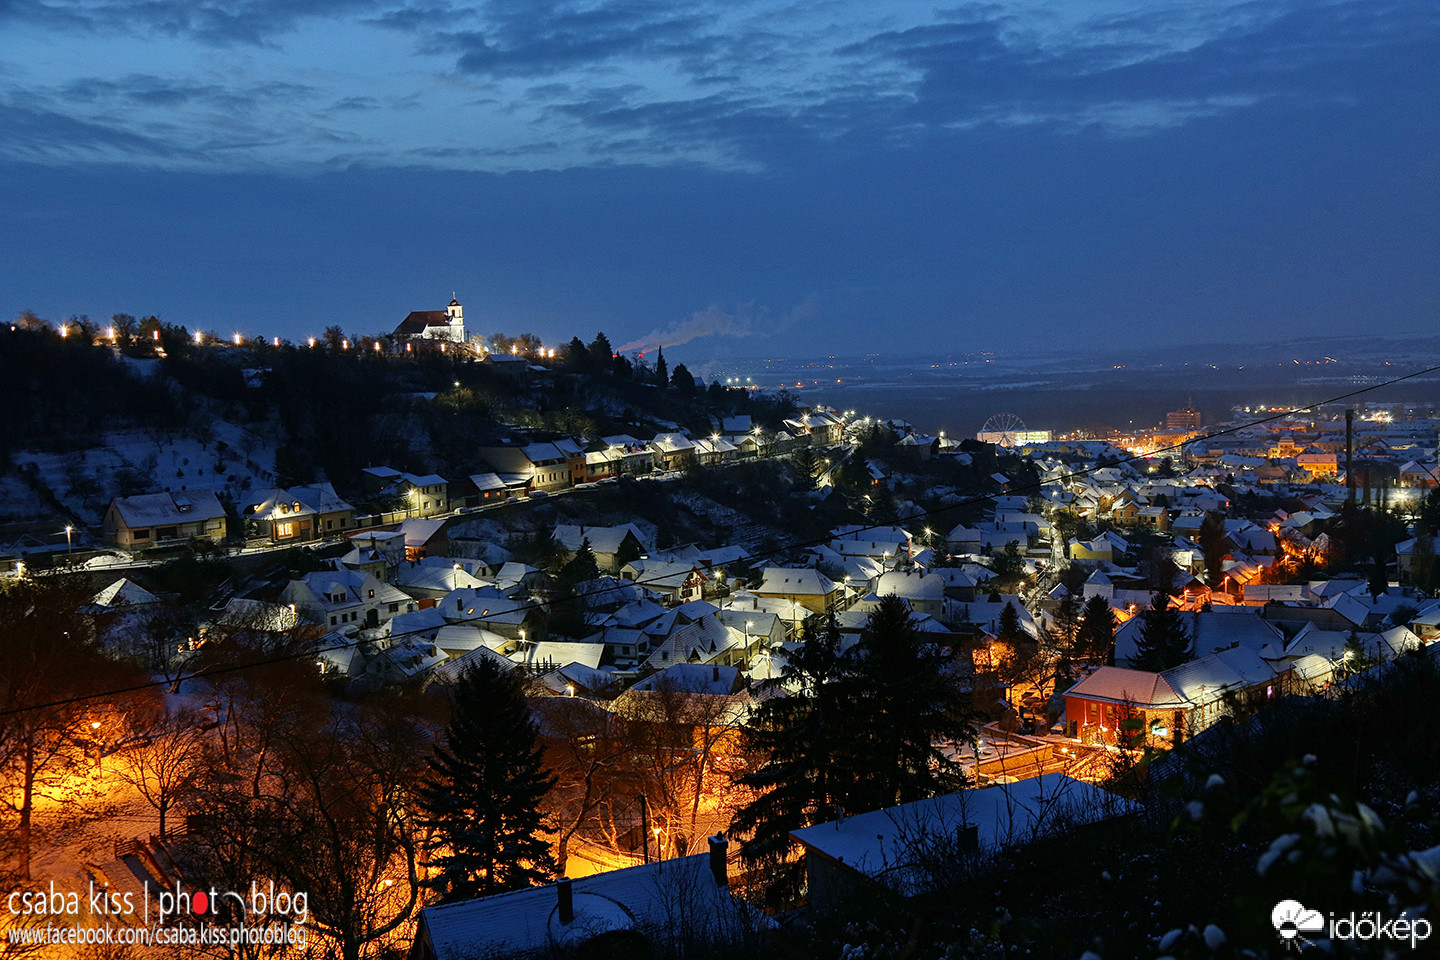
(456, 315)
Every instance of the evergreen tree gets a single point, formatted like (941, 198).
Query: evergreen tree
(576, 356)
(806, 738)
(1212, 541)
(1096, 636)
(1163, 642)
(1009, 629)
(1009, 567)
(909, 701)
(662, 372)
(807, 465)
(601, 353)
(683, 381)
(581, 567)
(481, 799)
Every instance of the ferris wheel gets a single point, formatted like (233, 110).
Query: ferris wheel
(1003, 429)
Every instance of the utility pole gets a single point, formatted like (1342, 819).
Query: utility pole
(645, 826)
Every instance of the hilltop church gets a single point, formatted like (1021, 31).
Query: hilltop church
(447, 324)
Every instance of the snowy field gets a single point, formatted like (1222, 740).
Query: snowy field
(230, 460)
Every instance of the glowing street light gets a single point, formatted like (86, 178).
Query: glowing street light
(69, 554)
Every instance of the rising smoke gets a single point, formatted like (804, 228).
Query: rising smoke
(712, 322)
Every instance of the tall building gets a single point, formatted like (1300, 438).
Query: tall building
(1179, 420)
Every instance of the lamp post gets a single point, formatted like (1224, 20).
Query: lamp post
(69, 552)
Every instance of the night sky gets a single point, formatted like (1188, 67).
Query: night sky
(794, 178)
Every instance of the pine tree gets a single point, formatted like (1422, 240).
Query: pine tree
(1096, 636)
(601, 353)
(806, 737)
(1009, 629)
(662, 372)
(1163, 642)
(481, 800)
(910, 701)
(581, 567)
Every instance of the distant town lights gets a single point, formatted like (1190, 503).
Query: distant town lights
(199, 337)
(64, 330)
(311, 341)
(237, 339)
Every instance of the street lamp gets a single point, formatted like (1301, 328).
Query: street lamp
(69, 553)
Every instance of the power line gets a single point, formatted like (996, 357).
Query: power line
(748, 559)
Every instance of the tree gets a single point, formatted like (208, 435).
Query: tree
(601, 353)
(1213, 543)
(328, 811)
(585, 750)
(582, 566)
(1066, 622)
(576, 356)
(1163, 642)
(662, 372)
(1009, 566)
(482, 797)
(683, 381)
(806, 740)
(125, 327)
(47, 721)
(334, 337)
(1095, 639)
(912, 704)
(807, 465)
(163, 768)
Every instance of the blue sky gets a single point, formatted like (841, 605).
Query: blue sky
(793, 178)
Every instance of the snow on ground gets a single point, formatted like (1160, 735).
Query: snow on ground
(18, 501)
(231, 460)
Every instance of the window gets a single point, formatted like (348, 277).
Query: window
(394, 608)
(286, 529)
(372, 594)
(333, 620)
(142, 534)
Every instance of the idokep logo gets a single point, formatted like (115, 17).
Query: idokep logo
(1297, 925)
(1292, 921)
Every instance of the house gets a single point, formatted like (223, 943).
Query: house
(478, 490)
(901, 847)
(635, 456)
(423, 538)
(805, 589)
(299, 514)
(150, 519)
(613, 546)
(447, 324)
(674, 581)
(924, 594)
(639, 909)
(1116, 703)
(673, 451)
(335, 598)
(542, 466)
(418, 496)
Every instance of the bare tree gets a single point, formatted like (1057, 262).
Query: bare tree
(164, 765)
(47, 719)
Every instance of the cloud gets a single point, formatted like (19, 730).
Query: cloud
(536, 39)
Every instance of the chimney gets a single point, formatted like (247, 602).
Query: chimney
(719, 848)
(566, 905)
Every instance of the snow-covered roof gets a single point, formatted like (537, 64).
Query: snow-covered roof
(157, 509)
(886, 844)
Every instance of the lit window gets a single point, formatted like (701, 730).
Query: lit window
(286, 529)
